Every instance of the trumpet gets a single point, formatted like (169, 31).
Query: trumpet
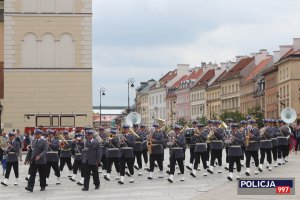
(63, 142)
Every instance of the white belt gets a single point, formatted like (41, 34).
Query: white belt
(274, 139)
(52, 152)
(282, 137)
(217, 141)
(252, 141)
(235, 146)
(265, 140)
(11, 153)
(77, 154)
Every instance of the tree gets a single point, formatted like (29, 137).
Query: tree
(256, 113)
(182, 121)
(201, 120)
(236, 116)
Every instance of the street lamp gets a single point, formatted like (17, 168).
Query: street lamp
(129, 84)
(1, 108)
(102, 93)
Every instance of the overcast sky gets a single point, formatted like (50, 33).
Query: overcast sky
(144, 39)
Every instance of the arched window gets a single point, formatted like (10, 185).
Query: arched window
(47, 50)
(30, 51)
(66, 51)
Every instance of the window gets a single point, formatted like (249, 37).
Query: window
(43, 121)
(1, 15)
(66, 52)
(30, 6)
(30, 51)
(47, 51)
(65, 6)
(160, 99)
(67, 121)
(55, 121)
(47, 6)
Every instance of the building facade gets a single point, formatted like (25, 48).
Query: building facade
(48, 63)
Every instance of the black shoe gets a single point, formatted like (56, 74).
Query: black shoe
(259, 169)
(27, 179)
(84, 189)
(136, 167)
(73, 180)
(168, 172)
(78, 183)
(97, 187)
(70, 176)
(229, 178)
(155, 165)
(42, 189)
(247, 173)
(170, 180)
(2, 183)
(168, 166)
(209, 171)
(149, 178)
(188, 167)
(267, 167)
(226, 168)
(192, 174)
(279, 163)
(46, 184)
(148, 170)
(29, 189)
(127, 173)
(120, 182)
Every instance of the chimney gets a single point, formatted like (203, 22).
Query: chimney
(296, 44)
(183, 69)
(261, 56)
(264, 52)
(276, 56)
(284, 49)
(203, 64)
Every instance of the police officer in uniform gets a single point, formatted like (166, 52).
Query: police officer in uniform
(91, 160)
(38, 161)
(283, 142)
(192, 146)
(265, 146)
(210, 126)
(52, 156)
(103, 135)
(275, 133)
(112, 145)
(177, 145)
(157, 151)
(138, 148)
(77, 148)
(12, 158)
(235, 151)
(127, 156)
(143, 132)
(251, 149)
(216, 147)
(65, 153)
(199, 140)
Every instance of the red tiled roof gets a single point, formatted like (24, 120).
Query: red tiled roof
(207, 77)
(238, 68)
(258, 68)
(195, 74)
(177, 84)
(217, 81)
(169, 76)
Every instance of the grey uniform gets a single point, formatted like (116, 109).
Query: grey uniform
(92, 155)
(12, 152)
(234, 148)
(52, 154)
(39, 148)
(200, 141)
(265, 142)
(275, 134)
(66, 151)
(284, 134)
(157, 146)
(217, 141)
(254, 141)
(78, 147)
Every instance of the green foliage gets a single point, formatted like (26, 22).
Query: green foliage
(181, 121)
(236, 116)
(201, 120)
(256, 113)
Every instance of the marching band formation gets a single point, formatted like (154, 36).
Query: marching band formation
(96, 151)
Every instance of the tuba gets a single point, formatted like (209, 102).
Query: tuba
(288, 115)
(131, 119)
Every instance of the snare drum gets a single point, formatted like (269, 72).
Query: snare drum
(157, 149)
(113, 153)
(234, 150)
(127, 152)
(177, 152)
(200, 147)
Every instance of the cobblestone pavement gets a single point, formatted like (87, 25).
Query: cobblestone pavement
(213, 186)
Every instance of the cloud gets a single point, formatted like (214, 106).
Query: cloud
(145, 39)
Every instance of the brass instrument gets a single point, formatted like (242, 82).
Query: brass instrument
(210, 136)
(133, 132)
(263, 132)
(63, 142)
(149, 144)
(247, 138)
(184, 128)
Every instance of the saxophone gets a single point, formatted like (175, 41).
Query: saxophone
(210, 136)
(149, 144)
(247, 138)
